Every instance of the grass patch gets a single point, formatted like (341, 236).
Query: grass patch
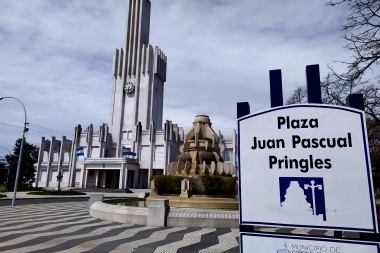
(64, 193)
(3, 188)
(2, 196)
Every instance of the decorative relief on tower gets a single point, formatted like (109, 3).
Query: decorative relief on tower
(129, 87)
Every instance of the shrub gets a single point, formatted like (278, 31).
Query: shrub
(202, 185)
(167, 184)
(213, 185)
(49, 192)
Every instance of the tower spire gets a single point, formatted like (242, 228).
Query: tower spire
(137, 34)
(139, 74)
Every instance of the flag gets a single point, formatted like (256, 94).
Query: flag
(80, 151)
(127, 151)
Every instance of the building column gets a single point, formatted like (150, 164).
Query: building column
(96, 178)
(40, 158)
(51, 155)
(85, 179)
(60, 154)
(152, 145)
(123, 177)
(82, 176)
(168, 156)
(166, 146)
(73, 156)
(103, 181)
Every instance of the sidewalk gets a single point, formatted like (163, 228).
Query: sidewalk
(24, 195)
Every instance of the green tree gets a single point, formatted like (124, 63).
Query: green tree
(3, 173)
(27, 171)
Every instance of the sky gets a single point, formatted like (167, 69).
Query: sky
(56, 57)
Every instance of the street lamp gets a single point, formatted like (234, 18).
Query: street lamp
(9, 155)
(21, 149)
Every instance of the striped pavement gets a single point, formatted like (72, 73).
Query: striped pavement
(66, 227)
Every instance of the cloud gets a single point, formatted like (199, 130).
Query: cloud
(56, 57)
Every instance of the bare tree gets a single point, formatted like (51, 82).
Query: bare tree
(362, 37)
(335, 91)
(299, 96)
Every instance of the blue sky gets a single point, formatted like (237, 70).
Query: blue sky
(55, 56)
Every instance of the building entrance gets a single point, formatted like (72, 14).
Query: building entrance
(131, 179)
(103, 179)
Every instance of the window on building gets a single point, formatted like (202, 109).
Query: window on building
(45, 157)
(55, 156)
(95, 153)
(228, 154)
(159, 153)
(145, 153)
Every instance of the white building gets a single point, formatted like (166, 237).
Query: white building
(138, 77)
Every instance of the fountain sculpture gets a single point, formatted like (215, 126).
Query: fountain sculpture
(200, 153)
(200, 156)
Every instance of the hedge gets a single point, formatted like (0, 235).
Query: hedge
(213, 185)
(167, 184)
(201, 185)
(48, 192)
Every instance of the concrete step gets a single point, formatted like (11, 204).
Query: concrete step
(110, 190)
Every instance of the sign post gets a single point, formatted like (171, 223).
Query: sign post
(305, 166)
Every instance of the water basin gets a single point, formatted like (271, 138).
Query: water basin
(127, 202)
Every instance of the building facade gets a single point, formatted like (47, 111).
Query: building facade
(136, 123)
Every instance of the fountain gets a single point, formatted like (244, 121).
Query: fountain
(200, 153)
(199, 161)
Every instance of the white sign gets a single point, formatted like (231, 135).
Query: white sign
(269, 243)
(306, 166)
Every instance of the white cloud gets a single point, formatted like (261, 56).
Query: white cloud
(56, 57)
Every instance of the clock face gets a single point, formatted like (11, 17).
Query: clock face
(129, 87)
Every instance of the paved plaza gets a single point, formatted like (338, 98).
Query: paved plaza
(66, 227)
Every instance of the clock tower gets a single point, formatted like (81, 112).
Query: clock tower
(138, 77)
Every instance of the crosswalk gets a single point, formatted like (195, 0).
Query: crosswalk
(66, 227)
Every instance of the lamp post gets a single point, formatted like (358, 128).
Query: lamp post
(21, 149)
(9, 155)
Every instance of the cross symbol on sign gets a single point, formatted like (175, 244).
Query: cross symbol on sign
(312, 185)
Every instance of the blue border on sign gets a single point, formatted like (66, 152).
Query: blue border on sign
(370, 187)
(297, 237)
